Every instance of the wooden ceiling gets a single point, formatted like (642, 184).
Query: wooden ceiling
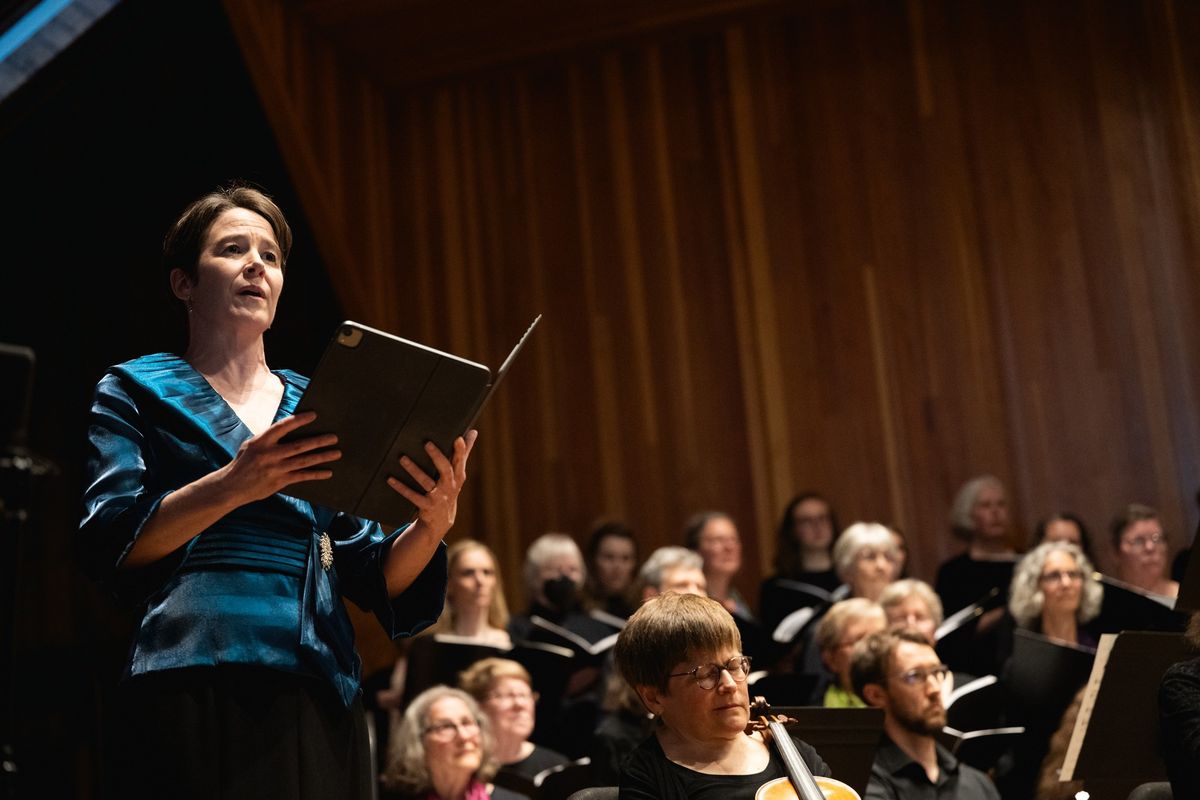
(398, 43)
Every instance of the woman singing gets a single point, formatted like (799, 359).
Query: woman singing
(242, 679)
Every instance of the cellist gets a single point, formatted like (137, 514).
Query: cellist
(683, 656)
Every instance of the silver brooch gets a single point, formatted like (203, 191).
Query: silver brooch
(326, 548)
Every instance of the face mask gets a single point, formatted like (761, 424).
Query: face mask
(559, 593)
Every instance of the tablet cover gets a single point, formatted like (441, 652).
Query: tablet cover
(385, 396)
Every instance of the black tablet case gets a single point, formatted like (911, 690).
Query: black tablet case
(385, 396)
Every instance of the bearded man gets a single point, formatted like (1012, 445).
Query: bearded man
(902, 674)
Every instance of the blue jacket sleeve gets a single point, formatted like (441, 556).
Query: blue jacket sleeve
(359, 550)
(117, 502)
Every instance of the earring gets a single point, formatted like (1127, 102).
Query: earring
(188, 303)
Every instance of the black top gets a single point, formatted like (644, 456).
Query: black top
(1179, 718)
(542, 758)
(650, 775)
(895, 776)
(780, 595)
(962, 580)
(618, 734)
(522, 629)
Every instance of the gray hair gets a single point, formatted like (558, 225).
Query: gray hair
(841, 614)
(964, 501)
(546, 547)
(667, 558)
(857, 537)
(898, 591)
(407, 769)
(1025, 598)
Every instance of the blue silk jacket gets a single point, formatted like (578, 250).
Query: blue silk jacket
(250, 589)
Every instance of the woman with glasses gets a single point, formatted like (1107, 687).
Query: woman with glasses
(802, 559)
(504, 690)
(1141, 546)
(442, 750)
(1054, 592)
(866, 559)
(683, 656)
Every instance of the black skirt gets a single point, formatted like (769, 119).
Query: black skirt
(228, 733)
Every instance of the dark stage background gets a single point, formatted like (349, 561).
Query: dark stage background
(98, 154)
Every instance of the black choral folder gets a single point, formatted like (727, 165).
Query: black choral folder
(385, 397)
(1115, 739)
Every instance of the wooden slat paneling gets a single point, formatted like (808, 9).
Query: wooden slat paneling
(870, 248)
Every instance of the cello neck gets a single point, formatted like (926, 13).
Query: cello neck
(798, 772)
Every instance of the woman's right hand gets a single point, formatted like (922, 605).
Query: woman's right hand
(265, 464)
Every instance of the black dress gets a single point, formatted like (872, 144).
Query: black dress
(963, 580)
(238, 733)
(1179, 723)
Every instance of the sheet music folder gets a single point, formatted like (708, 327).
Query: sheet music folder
(385, 397)
(1116, 732)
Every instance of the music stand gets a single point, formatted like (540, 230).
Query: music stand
(1127, 608)
(977, 705)
(846, 738)
(1114, 744)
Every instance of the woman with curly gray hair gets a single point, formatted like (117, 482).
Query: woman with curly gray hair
(1054, 592)
(441, 749)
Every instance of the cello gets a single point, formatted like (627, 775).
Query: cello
(800, 783)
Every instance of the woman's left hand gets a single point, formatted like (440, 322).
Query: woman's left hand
(437, 507)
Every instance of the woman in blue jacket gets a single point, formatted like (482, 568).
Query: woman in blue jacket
(242, 678)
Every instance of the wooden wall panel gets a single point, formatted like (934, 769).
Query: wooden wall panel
(870, 248)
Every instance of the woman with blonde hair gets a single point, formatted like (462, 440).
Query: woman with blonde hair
(441, 749)
(504, 690)
(475, 609)
(475, 605)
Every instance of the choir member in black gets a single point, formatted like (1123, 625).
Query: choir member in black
(612, 564)
(803, 543)
(505, 692)
(980, 517)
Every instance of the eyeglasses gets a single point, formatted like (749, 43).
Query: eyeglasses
(1061, 575)
(812, 522)
(444, 731)
(870, 554)
(707, 676)
(1152, 539)
(512, 698)
(918, 676)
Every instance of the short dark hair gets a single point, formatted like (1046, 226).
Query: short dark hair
(1085, 538)
(695, 526)
(604, 530)
(185, 239)
(1134, 512)
(668, 629)
(872, 656)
